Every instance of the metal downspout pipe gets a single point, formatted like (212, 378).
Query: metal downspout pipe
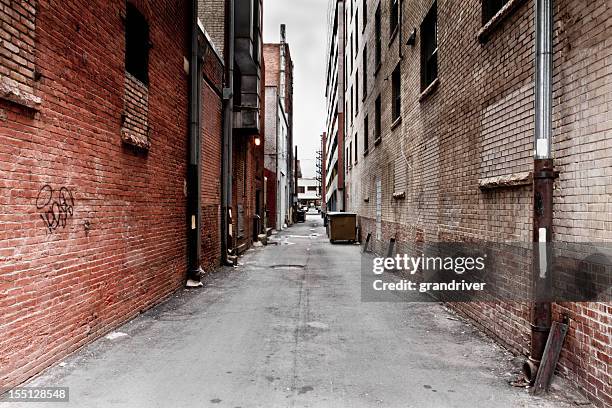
(226, 160)
(193, 169)
(543, 179)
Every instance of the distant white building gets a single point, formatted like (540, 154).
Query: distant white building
(309, 192)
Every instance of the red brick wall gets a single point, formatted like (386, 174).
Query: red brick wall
(212, 131)
(122, 247)
(478, 124)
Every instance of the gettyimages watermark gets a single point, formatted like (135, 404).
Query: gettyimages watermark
(477, 272)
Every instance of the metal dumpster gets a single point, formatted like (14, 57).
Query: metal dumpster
(342, 226)
(300, 216)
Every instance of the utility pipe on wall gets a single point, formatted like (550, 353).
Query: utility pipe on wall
(226, 160)
(543, 179)
(193, 167)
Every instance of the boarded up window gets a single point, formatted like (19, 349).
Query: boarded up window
(506, 133)
(17, 46)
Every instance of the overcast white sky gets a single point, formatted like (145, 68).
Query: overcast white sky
(306, 32)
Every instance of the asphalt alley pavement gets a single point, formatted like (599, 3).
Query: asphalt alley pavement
(287, 328)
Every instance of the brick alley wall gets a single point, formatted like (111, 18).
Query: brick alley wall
(476, 124)
(211, 152)
(92, 231)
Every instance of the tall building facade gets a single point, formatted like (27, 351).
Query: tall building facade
(333, 151)
(439, 116)
(279, 133)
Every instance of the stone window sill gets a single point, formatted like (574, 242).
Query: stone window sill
(10, 90)
(485, 32)
(507, 181)
(429, 90)
(396, 122)
(393, 35)
(377, 141)
(135, 140)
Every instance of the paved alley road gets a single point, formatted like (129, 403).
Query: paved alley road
(287, 328)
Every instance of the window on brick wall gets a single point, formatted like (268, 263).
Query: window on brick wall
(137, 44)
(346, 159)
(301, 190)
(350, 153)
(366, 135)
(356, 33)
(490, 8)
(365, 72)
(352, 104)
(352, 53)
(396, 94)
(356, 92)
(17, 53)
(365, 14)
(377, 37)
(429, 48)
(393, 17)
(377, 120)
(356, 148)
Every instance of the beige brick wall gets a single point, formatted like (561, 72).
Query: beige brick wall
(478, 124)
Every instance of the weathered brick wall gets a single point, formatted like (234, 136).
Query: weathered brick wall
(476, 126)
(91, 232)
(212, 110)
(212, 16)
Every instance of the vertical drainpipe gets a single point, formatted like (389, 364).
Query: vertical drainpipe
(226, 162)
(543, 179)
(193, 171)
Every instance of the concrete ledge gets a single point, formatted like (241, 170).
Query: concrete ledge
(506, 181)
(13, 91)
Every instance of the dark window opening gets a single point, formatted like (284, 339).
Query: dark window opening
(396, 81)
(356, 92)
(377, 119)
(136, 44)
(352, 53)
(356, 33)
(393, 17)
(256, 31)
(490, 8)
(352, 105)
(301, 190)
(429, 48)
(346, 158)
(365, 14)
(365, 135)
(365, 72)
(377, 30)
(356, 148)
